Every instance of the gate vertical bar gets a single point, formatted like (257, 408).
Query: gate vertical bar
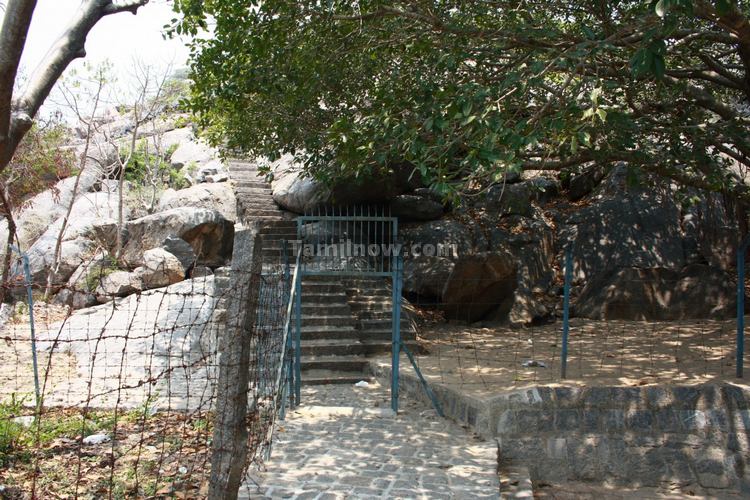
(740, 354)
(566, 312)
(396, 348)
(298, 323)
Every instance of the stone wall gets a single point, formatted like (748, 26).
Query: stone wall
(678, 436)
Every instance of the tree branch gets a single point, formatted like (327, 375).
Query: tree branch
(70, 46)
(13, 34)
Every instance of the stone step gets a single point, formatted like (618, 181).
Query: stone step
(330, 377)
(323, 298)
(258, 212)
(332, 347)
(319, 333)
(321, 309)
(368, 325)
(330, 320)
(338, 363)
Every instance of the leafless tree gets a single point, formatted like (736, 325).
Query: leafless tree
(17, 112)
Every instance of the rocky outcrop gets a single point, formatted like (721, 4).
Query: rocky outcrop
(193, 152)
(412, 207)
(209, 233)
(219, 197)
(297, 193)
(77, 246)
(480, 284)
(160, 268)
(695, 292)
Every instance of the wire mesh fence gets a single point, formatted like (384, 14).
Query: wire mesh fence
(636, 337)
(132, 391)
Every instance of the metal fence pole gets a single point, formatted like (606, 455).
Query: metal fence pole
(566, 312)
(30, 302)
(298, 340)
(396, 335)
(740, 354)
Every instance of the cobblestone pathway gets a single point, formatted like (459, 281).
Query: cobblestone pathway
(345, 443)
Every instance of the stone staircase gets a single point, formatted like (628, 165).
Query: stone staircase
(343, 320)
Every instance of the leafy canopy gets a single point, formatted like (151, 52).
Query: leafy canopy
(461, 92)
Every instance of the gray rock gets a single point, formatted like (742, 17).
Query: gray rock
(180, 249)
(160, 268)
(579, 185)
(698, 291)
(201, 272)
(193, 152)
(78, 244)
(638, 230)
(293, 191)
(413, 207)
(209, 233)
(219, 197)
(480, 284)
(508, 199)
(426, 276)
(118, 284)
(149, 332)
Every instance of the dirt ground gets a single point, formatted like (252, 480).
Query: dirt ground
(483, 361)
(57, 374)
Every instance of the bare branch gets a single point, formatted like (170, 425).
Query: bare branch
(70, 46)
(15, 28)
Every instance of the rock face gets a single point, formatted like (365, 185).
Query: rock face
(478, 285)
(77, 245)
(299, 194)
(160, 268)
(414, 207)
(658, 294)
(219, 197)
(117, 284)
(156, 328)
(193, 151)
(207, 231)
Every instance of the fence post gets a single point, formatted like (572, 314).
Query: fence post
(740, 350)
(229, 445)
(298, 341)
(566, 312)
(396, 335)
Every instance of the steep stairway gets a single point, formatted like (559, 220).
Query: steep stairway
(343, 320)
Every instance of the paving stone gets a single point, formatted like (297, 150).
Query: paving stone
(336, 455)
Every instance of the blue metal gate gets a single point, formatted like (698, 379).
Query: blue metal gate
(354, 241)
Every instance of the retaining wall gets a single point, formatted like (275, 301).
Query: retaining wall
(630, 436)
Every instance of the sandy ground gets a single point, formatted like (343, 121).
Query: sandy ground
(485, 361)
(57, 374)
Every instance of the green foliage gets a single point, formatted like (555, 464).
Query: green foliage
(98, 272)
(145, 168)
(459, 93)
(38, 163)
(16, 438)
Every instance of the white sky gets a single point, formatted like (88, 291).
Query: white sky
(117, 38)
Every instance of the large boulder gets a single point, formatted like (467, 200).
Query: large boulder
(79, 291)
(219, 197)
(297, 193)
(480, 284)
(77, 244)
(414, 207)
(639, 229)
(117, 284)
(194, 151)
(425, 276)
(138, 339)
(508, 199)
(697, 291)
(209, 233)
(182, 250)
(42, 210)
(294, 192)
(160, 268)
